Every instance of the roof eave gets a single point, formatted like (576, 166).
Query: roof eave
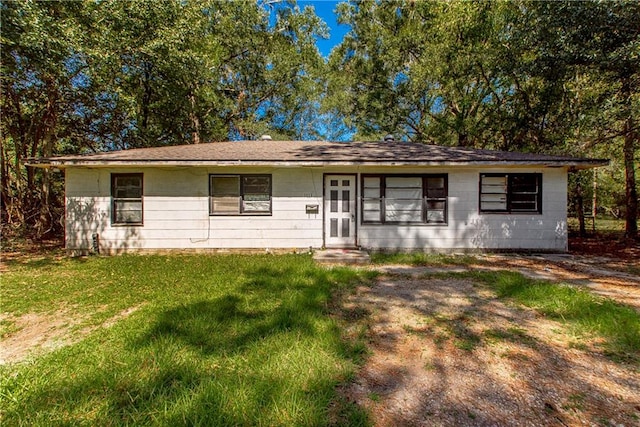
(61, 163)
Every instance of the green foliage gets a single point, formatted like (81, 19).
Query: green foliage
(89, 76)
(40, 65)
(556, 77)
(425, 71)
(423, 259)
(217, 340)
(522, 75)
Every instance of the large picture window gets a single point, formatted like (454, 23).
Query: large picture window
(404, 199)
(126, 199)
(240, 194)
(511, 193)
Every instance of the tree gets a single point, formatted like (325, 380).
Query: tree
(91, 76)
(554, 77)
(608, 50)
(424, 71)
(41, 68)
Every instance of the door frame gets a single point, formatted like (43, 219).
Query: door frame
(355, 208)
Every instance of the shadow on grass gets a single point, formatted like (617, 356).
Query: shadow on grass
(270, 301)
(226, 325)
(40, 261)
(264, 349)
(32, 261)
(33, 254)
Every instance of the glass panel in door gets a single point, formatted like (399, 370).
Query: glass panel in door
(340, 211)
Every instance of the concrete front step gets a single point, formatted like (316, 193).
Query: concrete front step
(341, 256)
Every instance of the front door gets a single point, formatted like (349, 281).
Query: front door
(340, 211)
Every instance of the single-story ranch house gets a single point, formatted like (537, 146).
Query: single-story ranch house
(301, 194)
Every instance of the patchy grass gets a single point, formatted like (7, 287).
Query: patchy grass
(374, 397)
(602, 225)
(511, 334)
(218, 340)
(7, 327)
(575, 401)
(588, 315)
(443, 328)
(423, 259)
(241, 340)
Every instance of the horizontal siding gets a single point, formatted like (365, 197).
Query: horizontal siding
(151, 234)
(462, 245)
(468, 228)
(176, 213)
(109, 246)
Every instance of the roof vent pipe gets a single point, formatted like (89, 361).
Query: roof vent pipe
(265, 138)
(389, 138)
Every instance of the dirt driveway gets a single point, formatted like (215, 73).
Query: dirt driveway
(448, 352)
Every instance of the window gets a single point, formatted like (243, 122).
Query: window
(240, 194)
(511, 193)
(126, 198)
(404, 199)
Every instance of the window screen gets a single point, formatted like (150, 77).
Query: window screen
(126, 199)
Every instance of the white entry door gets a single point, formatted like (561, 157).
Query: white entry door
(340, 211)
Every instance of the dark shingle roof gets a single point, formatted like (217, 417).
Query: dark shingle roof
(312, 153)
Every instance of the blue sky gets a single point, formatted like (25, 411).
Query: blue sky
(325, 10)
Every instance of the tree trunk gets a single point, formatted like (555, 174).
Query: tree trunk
(580, 210)
(631, 217)
(195, 120)
(19, 200)
(50, 119)
(594, 199)
(630, 136)
(463, 139)
(4, 181)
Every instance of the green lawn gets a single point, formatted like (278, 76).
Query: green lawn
(217, 340)
(229, 339)
(603, 225)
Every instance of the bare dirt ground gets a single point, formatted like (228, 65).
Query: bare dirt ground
(611, 244)
(448, 352)
(37, 333)
(20, 251)
(34, 332)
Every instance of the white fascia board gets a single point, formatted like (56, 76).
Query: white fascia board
(196, 163)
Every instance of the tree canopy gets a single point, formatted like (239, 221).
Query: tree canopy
(92, 76)
(555, 77)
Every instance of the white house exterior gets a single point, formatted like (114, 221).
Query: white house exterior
(279, 194)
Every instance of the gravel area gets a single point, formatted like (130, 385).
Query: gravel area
(448, 352)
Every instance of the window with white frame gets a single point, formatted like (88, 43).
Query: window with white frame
(511, 192)
(404, 199)
(239, 194)
(126, 199)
